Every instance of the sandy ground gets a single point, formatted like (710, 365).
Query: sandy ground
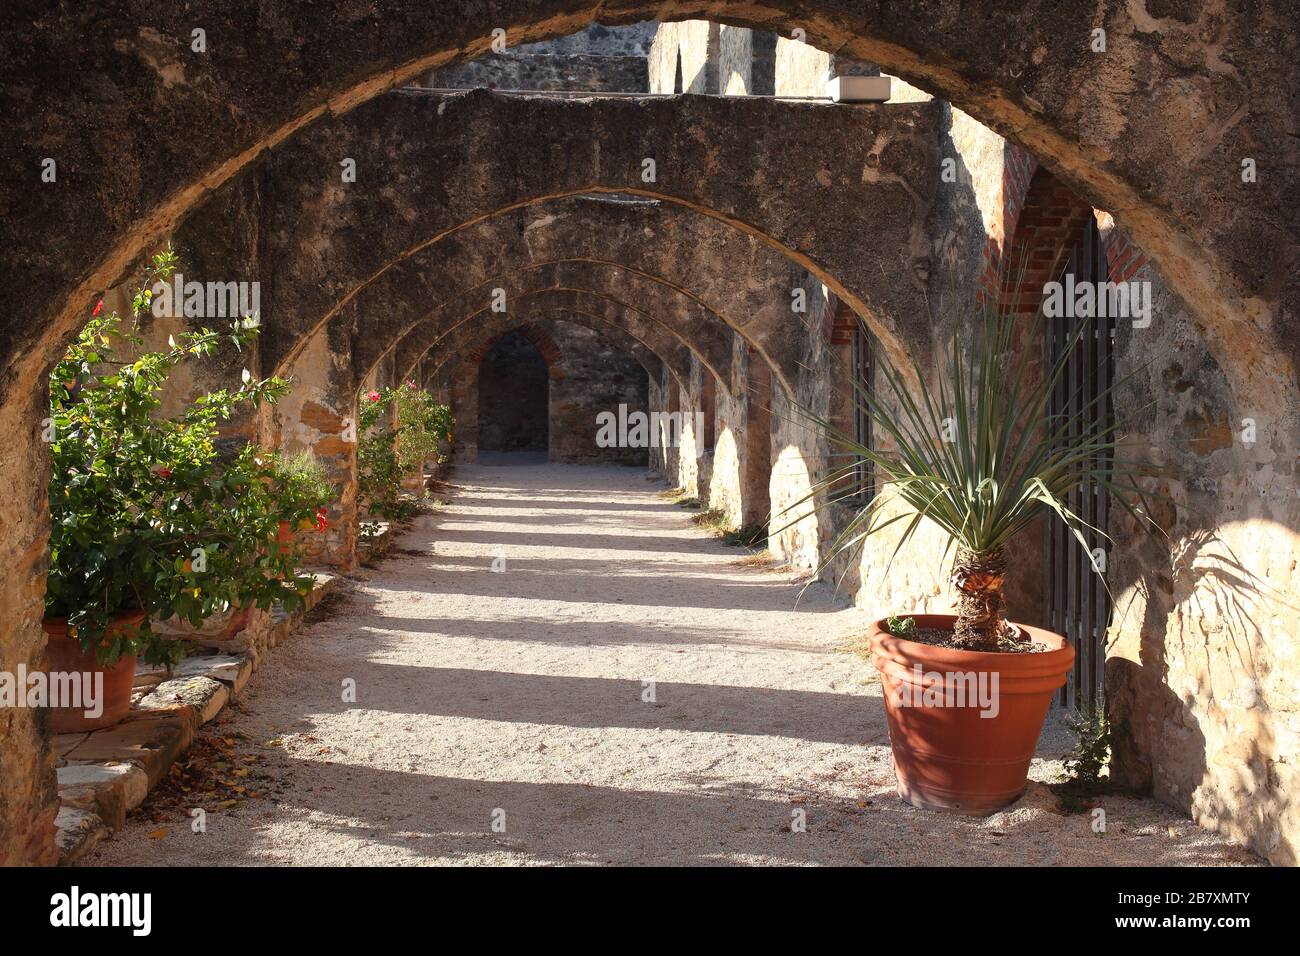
(517, 697)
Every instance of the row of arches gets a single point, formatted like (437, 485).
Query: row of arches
(353, 278)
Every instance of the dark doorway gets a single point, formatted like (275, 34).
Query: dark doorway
(513, 397)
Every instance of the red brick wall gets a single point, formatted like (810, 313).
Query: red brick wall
(1040, 217)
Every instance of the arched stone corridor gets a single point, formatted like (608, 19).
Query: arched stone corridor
(597, 283)
(526, 689)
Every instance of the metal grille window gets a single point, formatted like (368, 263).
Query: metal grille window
(1078, 604)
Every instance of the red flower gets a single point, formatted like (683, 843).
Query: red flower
(99, 307)
(374, 396)
(321, 521)
(163, 472)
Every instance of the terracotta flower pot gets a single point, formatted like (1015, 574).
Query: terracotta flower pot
(66, 656)
(284, 537)
(963, 725)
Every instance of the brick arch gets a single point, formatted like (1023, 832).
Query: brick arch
(542, 340)
(1041, 217)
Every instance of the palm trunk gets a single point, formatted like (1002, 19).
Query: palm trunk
(981, 607)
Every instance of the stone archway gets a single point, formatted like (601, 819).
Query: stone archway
(1106, 124)
(646, 240)
(423, 157)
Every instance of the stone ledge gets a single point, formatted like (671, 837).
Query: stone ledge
(198, 698)
(108, 790)
(76, 833)
(104, 774)
(150, 740)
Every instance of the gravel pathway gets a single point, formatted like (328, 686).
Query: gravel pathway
(515, 698)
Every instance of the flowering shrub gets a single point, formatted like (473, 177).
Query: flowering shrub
(147, 513)
(400, 430)
(302, 491)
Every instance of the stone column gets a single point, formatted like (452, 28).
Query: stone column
(28, 792)
(320, 416)
(756, 455)
(463, 389)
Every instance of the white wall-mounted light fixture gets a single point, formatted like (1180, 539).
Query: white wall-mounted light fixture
(858, 89)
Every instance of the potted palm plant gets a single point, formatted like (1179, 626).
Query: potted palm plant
(977, 456)
(150, 519)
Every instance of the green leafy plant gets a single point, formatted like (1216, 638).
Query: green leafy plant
(1091, 751)
(401, 428)
(976, 455)
(147, 512)
(746, 536)
(302, 490)
(900, 626)
(1084, 764)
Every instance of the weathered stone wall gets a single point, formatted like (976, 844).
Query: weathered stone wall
(598, 39)
(28, 791)
(593, 375)
(1203, 657)
(600, 59)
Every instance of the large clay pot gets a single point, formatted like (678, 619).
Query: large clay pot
(66, 656)
(947, 754)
